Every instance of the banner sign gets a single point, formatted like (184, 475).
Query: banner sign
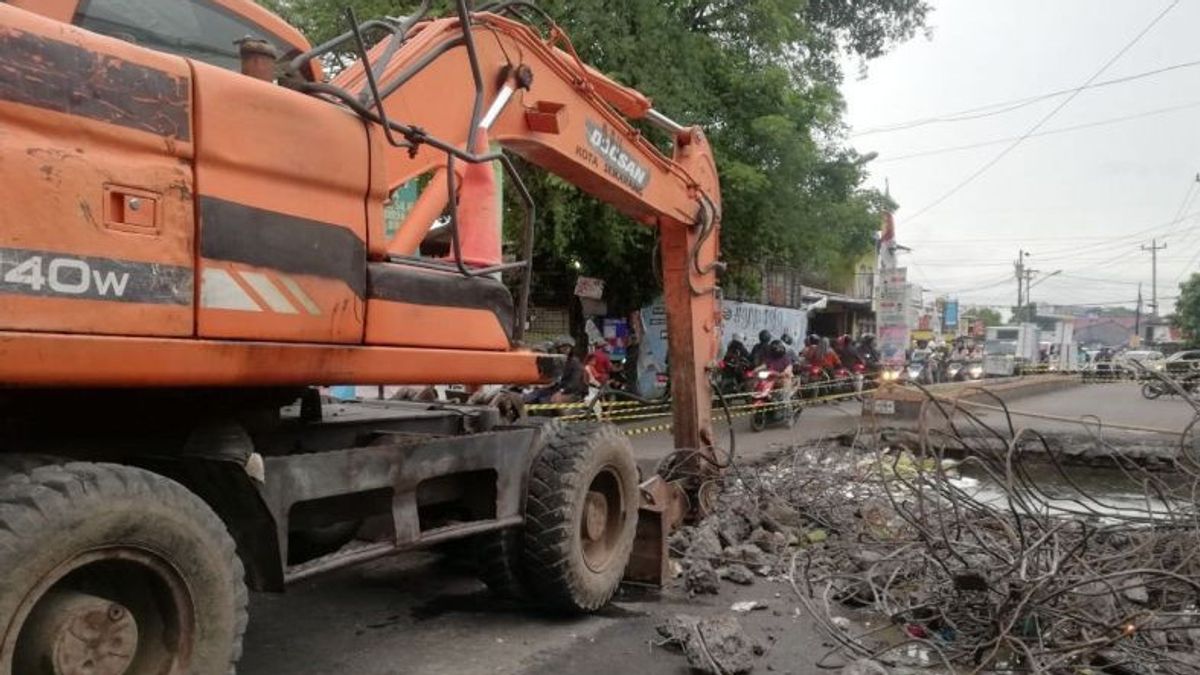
(741, 318)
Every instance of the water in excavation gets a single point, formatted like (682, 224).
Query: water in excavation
(1105, 494)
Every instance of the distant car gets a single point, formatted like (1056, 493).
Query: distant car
(1183, 362)
(1151, 359)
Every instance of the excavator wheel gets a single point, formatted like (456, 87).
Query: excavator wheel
(112, 570)
(580, 517)
(498, 556)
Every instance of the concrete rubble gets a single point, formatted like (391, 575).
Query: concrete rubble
(715, 645)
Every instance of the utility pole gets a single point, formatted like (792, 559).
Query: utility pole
(1154, 248)
(1137, 320)
(1029, 292)
(1019, 268)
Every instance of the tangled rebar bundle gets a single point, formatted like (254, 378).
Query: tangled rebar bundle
(1036, 574)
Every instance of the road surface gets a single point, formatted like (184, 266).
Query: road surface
(416, 614)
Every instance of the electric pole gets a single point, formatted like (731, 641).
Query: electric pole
(1029, 292)
(1154, 248)
(1137, 318)
(1019, 268)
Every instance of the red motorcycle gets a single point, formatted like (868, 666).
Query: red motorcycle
(859, 372)
(843, 381)
(769, 403)
(815, 381)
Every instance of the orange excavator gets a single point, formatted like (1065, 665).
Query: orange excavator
(200, 226)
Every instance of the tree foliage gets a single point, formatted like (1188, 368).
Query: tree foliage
(1187, 309)
(762, 78)
(987, 315)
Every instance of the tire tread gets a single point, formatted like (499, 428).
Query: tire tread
(35, 491)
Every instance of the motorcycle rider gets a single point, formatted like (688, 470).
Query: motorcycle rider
(812, 345)
(736, 353)
(791, 349)
(572, 385)
(734, 364)
(599, 364)
(777, 360)
(826, 356)
(844, 348)
(868, 352)
(759, 353)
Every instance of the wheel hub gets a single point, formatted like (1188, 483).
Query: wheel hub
(602, 521)
(79, 634)
(595, 516)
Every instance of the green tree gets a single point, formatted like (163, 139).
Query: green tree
(762, 77)
(1187, 309)
(987, 315)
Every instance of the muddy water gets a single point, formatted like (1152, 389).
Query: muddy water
(1103, 494)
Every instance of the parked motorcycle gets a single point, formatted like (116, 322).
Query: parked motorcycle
(768, 405)
(1155, 388)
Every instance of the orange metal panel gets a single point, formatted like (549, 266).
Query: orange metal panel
(59, 10)
(92, 316)
(284, 177)
(399, 323)
(63, 360)
(115, 124)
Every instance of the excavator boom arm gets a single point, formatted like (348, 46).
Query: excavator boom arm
(536, 98)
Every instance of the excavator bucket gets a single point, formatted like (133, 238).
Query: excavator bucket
(663, 508)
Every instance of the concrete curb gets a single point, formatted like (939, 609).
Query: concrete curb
(907, 401)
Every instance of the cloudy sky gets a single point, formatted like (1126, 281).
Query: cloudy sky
(1082, 201)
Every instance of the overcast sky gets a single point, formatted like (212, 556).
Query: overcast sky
(1081, 201)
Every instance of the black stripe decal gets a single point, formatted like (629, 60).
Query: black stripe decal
(398, 283)
(243, 234)
(59, 275)
(65, 78)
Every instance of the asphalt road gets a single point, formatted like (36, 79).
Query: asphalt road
(417, 614)
(1119, 404)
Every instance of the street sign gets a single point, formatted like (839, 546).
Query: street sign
(589, 287)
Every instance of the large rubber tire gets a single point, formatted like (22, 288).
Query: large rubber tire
(498, 556)
(565, 569)
(1152, 390)
(122, 535)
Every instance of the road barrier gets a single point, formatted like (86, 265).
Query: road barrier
(622, 411)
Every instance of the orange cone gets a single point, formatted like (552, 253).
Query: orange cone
(479, 211)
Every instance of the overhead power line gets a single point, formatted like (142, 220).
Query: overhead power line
(1040, 134)
(1015, 104)
(1044, 119)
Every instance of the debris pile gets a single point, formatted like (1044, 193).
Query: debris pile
(1031, 573)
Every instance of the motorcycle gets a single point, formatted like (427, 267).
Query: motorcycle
(963, 371)
(1156, 388)
(955, 371)
(843, 381)
(768, 405)
(814, 381)
(735, 378)
(973, 370)
(915, 372)
(860, 381)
